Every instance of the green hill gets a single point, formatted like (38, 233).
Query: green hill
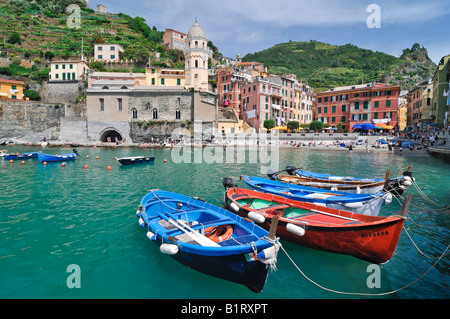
(37, 31)
(324, 65)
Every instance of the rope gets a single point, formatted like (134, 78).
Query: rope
(367, 294)
(427, 198)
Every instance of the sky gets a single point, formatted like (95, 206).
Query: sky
(248, 26)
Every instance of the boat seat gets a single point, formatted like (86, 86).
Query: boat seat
(274, 207)
(239, 196)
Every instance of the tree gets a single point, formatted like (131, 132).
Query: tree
(293, 125)
(415, 47)
(269, 124)
(32, 95)
(316, 126)
(14, 38)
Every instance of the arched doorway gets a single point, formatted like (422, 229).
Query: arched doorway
(110, 135)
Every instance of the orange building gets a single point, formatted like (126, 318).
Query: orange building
(10, 89)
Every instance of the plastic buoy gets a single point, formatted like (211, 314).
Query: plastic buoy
(296, 230)
(96, 157)
(165, 160)
(86, 166)
(109, 168)
(63, 164)
(234, 207)
(87, 156)
(256, 217)
(11, 161)
(23, 162)
(168, 249)
(45, 163)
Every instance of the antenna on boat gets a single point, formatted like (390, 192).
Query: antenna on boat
(405, 206)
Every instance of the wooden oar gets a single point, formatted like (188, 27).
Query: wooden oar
(273, 227)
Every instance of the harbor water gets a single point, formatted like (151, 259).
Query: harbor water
(54, 217)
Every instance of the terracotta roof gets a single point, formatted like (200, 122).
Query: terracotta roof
(11, 81)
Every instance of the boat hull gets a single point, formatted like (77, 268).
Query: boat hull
(57, 158)
(20, 156)
(371, 238)
(135, 160)
(234, 268)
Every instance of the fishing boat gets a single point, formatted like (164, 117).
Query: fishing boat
(370, 238)
(396, 186)
(22, 156)
(135, 160)
(366, 204)
(57, 158)
(208, 238)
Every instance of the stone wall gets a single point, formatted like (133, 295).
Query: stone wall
(29, 120)
(60, 92)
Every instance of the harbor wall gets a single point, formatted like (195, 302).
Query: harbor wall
(29, 120)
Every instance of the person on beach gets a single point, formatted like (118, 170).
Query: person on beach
(350, 149)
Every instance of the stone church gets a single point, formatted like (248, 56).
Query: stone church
(123, 109)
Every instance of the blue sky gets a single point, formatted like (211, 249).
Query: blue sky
(247, 26)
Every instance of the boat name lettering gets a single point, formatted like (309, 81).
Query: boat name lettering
(380, 233)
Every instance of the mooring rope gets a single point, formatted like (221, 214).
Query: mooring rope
(367, 294)
(427, 198)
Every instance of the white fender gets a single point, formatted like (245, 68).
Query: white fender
(141, 222)
(169, 249)
(258, 218)
(234, 207)
(354, 205)
(358, 190)
(297, 230)
(387, 198)
(151, 236)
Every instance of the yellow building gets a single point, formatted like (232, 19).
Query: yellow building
(157, 76)
(10, 89)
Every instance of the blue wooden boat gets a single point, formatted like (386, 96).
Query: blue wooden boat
(135, 160)
(366, 204)
(208, 238)
(57, 158)
(20, 156)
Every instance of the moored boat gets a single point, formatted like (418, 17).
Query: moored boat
(396, 186)
(208, 238)
(57, 158)
(22, 156)
(370, 238)
(366, 204)
(135, 160)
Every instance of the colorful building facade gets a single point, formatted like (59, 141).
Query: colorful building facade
(365, 103)
(10, 89)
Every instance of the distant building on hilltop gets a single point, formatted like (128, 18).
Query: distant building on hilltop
(101, 9)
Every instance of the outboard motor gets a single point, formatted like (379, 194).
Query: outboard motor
(227, 182)
(291, 170)
(271, 172)
(76, 152)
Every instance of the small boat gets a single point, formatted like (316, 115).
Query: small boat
(135, 160)
(22, 156)
(208, 238)
(396, 186)
(58, 158)
(366, 204)
(370, 238)
(3, 153)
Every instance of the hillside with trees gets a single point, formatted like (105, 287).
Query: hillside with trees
(36, 32)
(324, 65)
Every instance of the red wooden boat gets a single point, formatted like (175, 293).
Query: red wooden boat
(370, 238)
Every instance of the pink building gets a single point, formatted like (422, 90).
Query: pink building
(174, 40)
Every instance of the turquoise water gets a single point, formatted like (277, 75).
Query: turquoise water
(52, 217)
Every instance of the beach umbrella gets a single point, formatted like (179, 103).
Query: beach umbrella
(357, 126)
(380, 125)
(388, 127)
(280, 128)
(367, 126)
